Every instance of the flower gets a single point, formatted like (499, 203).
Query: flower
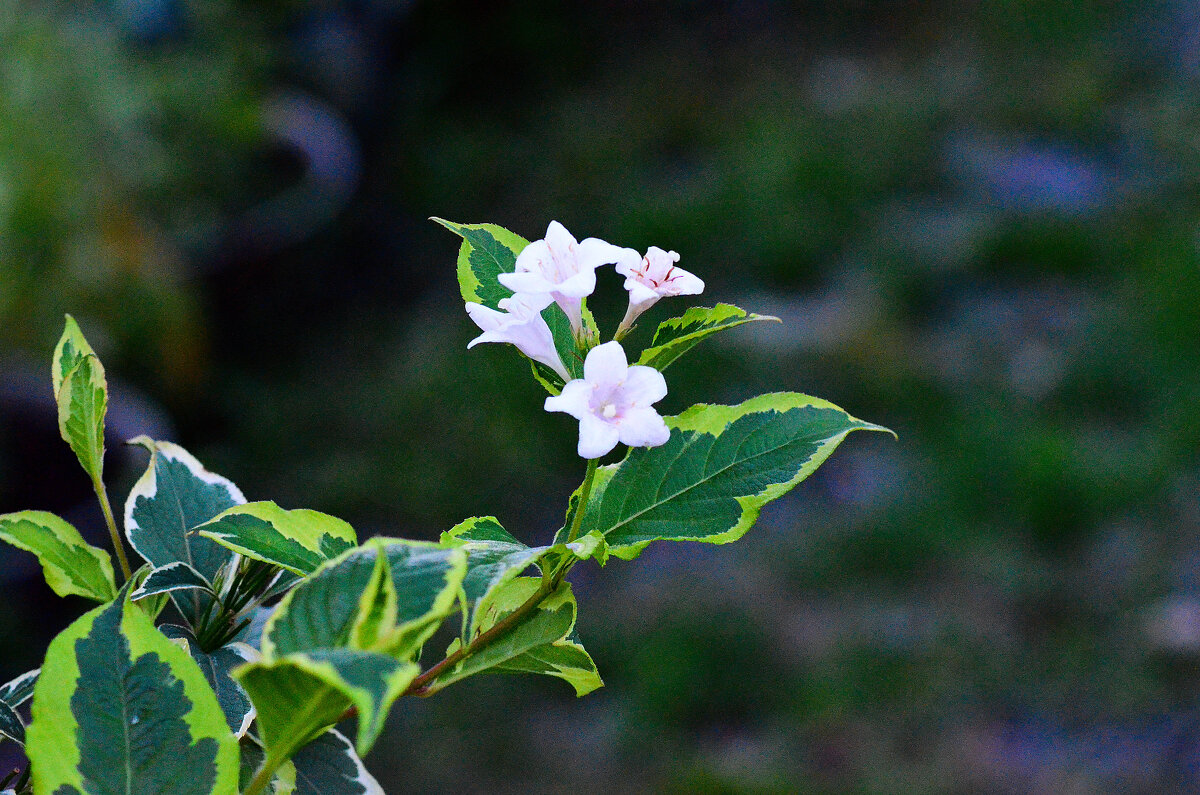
(651, 278)
(562, 267)
(520, 324)
(612, 402)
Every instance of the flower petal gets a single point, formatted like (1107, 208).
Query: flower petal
(486, 318)
(527, 282)
(574, 399)
(596, 437)
(532, 257)
(580, 285)
(643, 427)
(644, 386)
(558, 240)
(594, 252)
(605, 364)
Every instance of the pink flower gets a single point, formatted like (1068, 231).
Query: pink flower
(521, 324)
(652, 277)
(613, 402)
(563, 268)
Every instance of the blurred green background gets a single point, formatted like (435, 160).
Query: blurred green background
(977, 221)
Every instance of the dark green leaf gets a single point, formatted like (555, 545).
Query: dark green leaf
(329, 765)
(176, 494)
(11, 725)
(172, 577)
(215, 666)
(720, 466)
(18, 691)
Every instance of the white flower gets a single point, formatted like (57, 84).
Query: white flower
(612, 402)
(520, 324)
(562, 267)
(652, 277)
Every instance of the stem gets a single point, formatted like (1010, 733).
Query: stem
(118, 545)
(263, 777)
(419, 686)
(584, 493)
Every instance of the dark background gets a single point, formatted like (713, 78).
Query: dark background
(978, 222)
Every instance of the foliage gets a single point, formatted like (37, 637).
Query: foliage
(201, 707)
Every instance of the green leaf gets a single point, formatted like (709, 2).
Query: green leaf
(172, 577)
(70, 564)
(720, 466)
(216, 665)
(387, 595)
(487, 251)
(494, 557)
(176, 494)
(677, 336)
(298, 540)
(300, 695)
(119, 708)
(151, 605)
(329, 764)
(82, 404)
(565, 659)
(18, 691)
(72, 347)
(552, 622)
(11, 725)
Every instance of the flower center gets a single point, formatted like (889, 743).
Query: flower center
(609, 411)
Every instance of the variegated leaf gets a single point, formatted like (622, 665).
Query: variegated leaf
(70, 564)
(298, 540)
(119, 708)
(216, 666)
(174, 495)
(677, 336)
(721, 465)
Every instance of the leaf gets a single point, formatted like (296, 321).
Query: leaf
(487, 251)
(565, 659)
(119, 708)
(151, 605)
(72, 347)
(70, 564)
(298, 696)
(329, 764)
(172, 577)
(216, 665)
(82, 405)
(18, 691)
(720, 466)
(387, 595)
(494, 557)
(551, 622)
(298, 540)
(677, 336)
(11, 725)
(174, 495)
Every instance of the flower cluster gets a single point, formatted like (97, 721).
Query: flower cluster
(613, 401)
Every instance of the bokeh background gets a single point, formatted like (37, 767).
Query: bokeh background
(978, 222)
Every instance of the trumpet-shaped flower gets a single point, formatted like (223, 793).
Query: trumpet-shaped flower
(521, 324)
(564, 268)
(613, 402)
(652, 277)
